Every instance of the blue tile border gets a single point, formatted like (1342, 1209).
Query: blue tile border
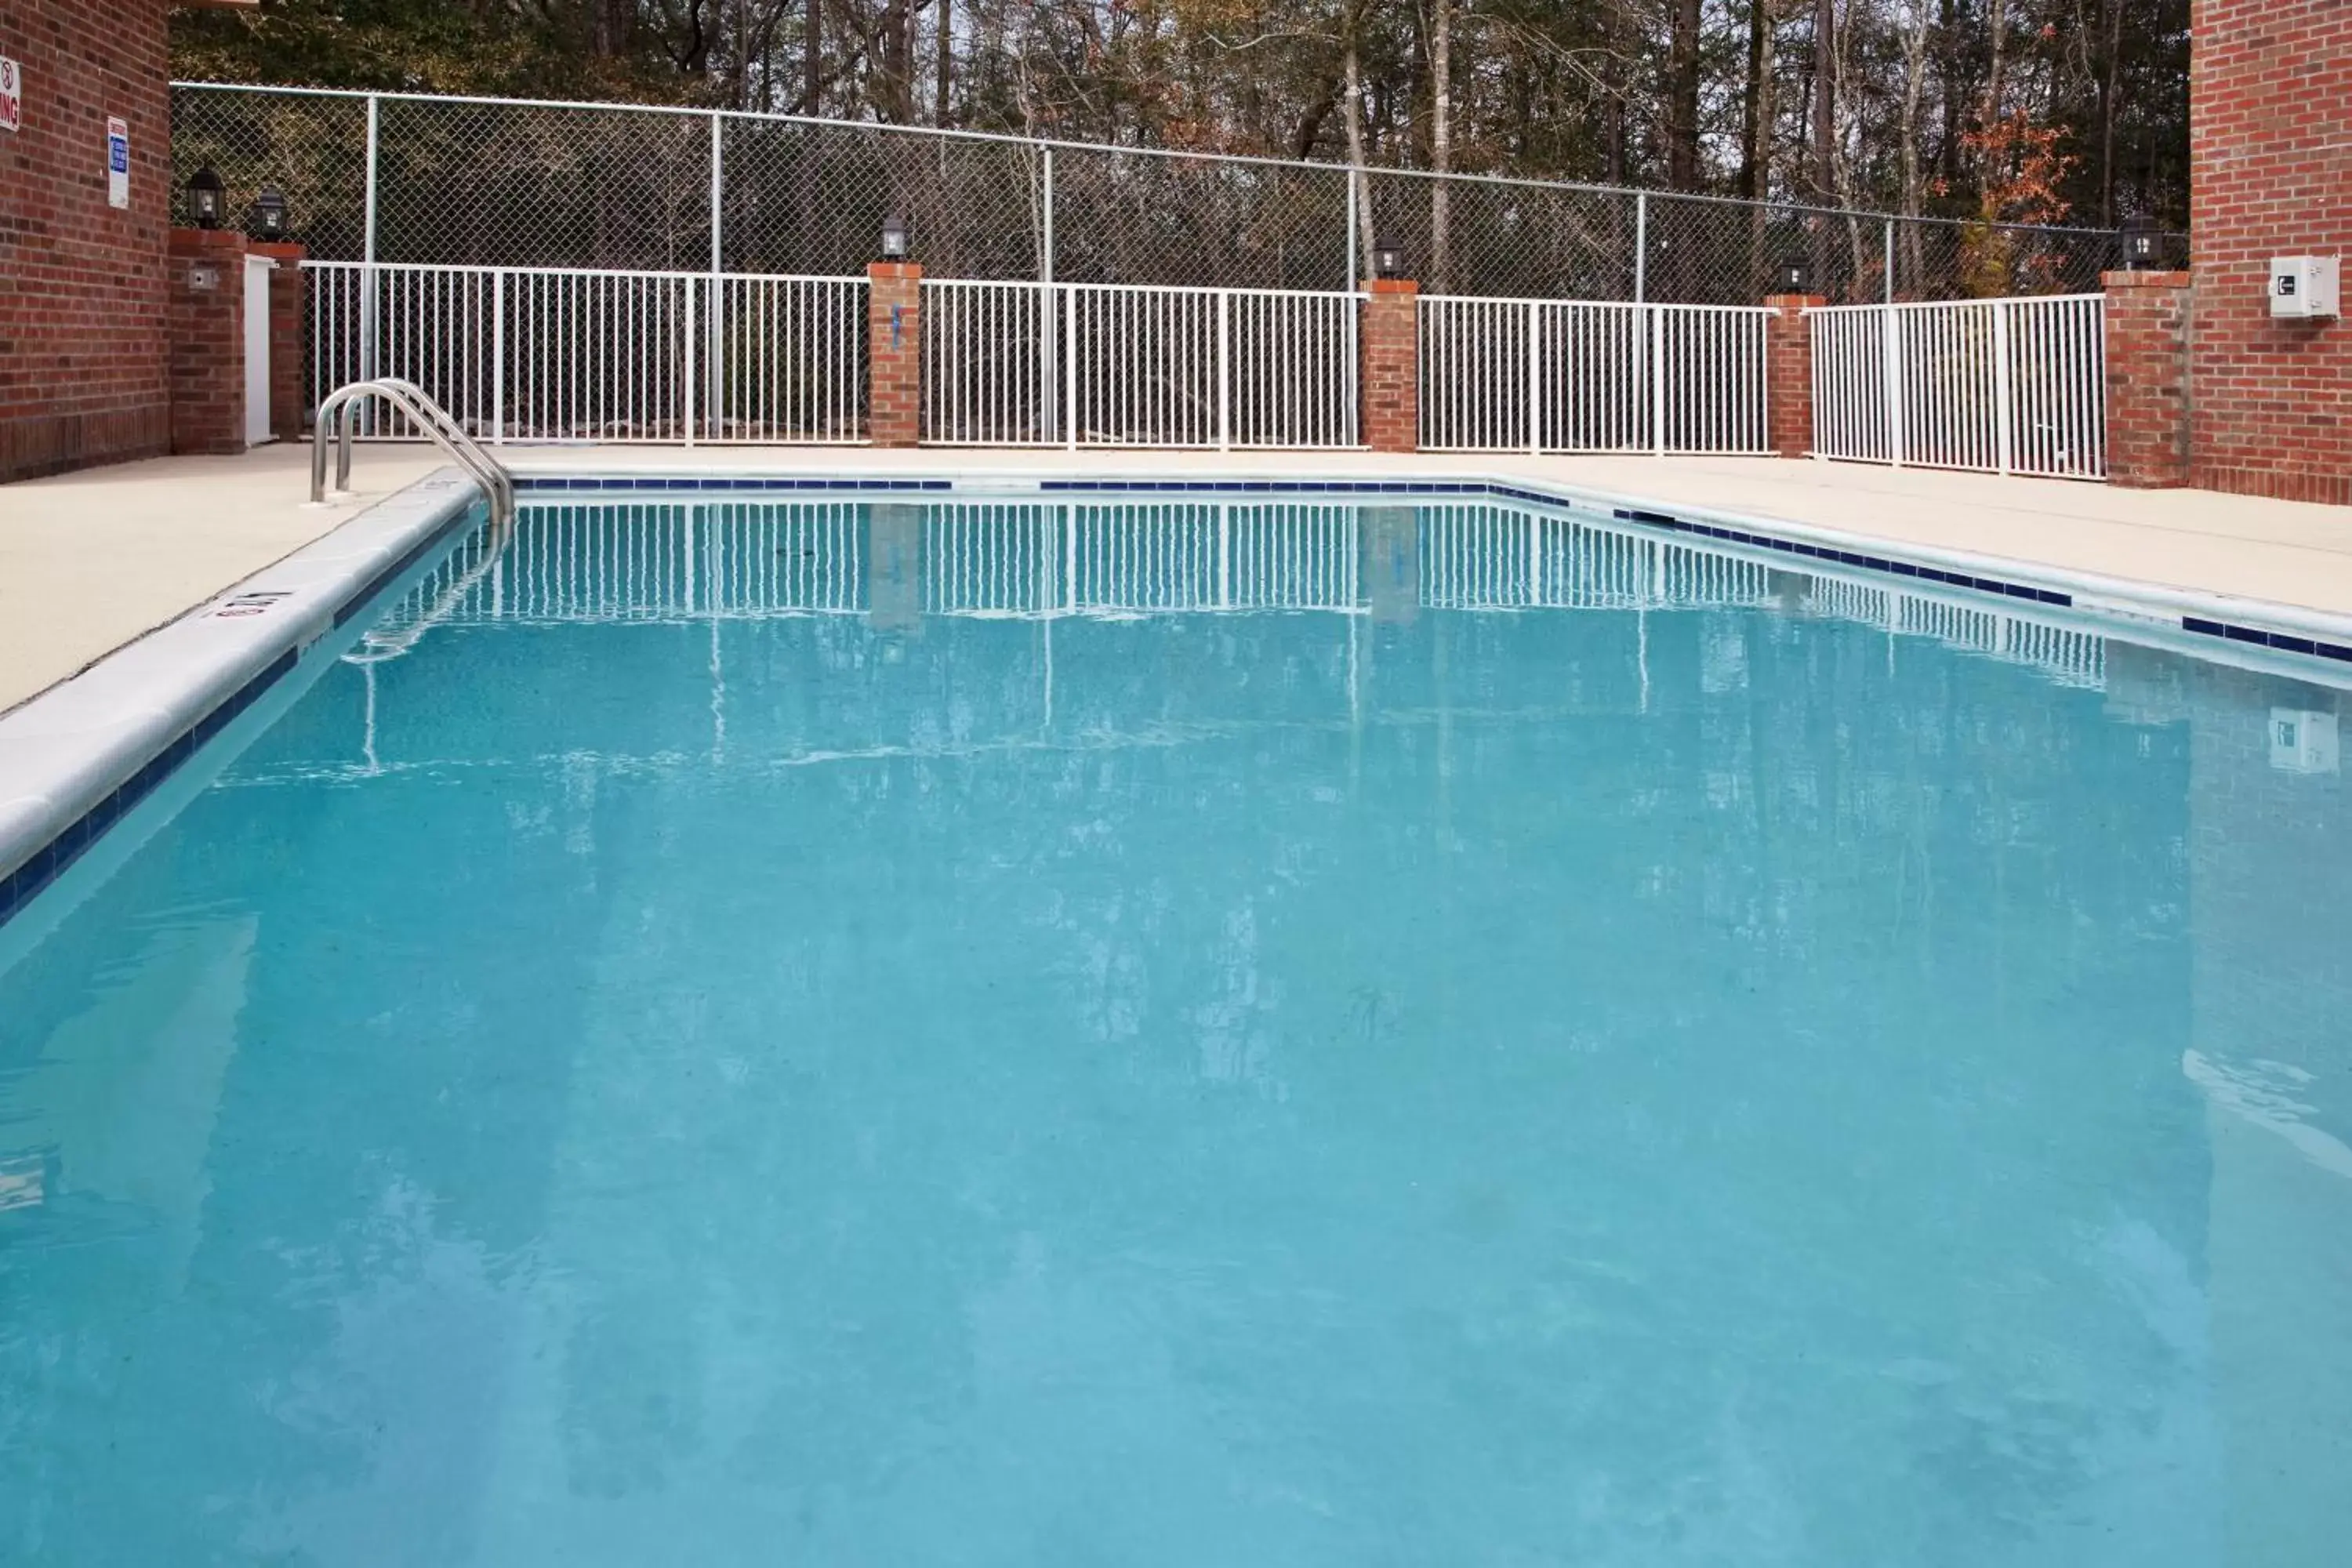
(51, 861)
(657, 484)
(2285, 642)
(46, 864)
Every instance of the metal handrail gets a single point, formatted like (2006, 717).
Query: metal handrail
(416, 403)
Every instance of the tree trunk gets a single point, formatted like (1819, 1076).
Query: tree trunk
(1914, 82)
(1682, 98)
(1352, 79)
(896, 101)
(1823, 174)
(1614, 132)
(1756, 153)
(2109, 87)
(1825, 84)
(1756, 108)
(813, 58)
(947, 58)
(1441, 138)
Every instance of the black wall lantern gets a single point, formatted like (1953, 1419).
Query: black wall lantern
(1388, 259)
(206, 197)
(894, 238)
(2139, 238)
(269, 213)
(1796, 277)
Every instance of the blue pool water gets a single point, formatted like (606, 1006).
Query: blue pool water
(1277, 1035)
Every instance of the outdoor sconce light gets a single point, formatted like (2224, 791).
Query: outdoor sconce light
(894, 238)
(269, 213)
(1796, 277)
(2138, 243)
(206, 196)
(1388, 261)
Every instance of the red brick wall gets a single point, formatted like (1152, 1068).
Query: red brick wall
(2271, 174)
(206, 329)
(894, 326)
(81, 282)
(1788, 372)
(2147, 318)
(1390, 364)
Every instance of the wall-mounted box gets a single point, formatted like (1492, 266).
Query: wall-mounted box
(2304, 288)
(2302, 742)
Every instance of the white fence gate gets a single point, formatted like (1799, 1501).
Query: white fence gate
(1573, 375)
(1128, 365)
(2008, 386)
(519, 354)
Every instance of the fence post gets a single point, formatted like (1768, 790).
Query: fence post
(1352, 274)
(1046, 250)
(498, 357)
(717, 199)
(1889, 281)
(1658, 380)
(1069, 367)
(1225, 370)
(693, 291)
(1640, 246)
(1788, 374)
(1048, 324)
(1535, 377)
(368, 310)
(1891, 356)
(717, 265)
(2004, 425)
(894, 319)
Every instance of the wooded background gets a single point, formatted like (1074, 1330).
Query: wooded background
(2072, 111)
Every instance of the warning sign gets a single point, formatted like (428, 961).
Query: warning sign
(118, 163)
(12, 94)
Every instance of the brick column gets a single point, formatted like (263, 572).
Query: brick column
(289, 294)
(1788, 372)
(895, 353)
(204, 331)
(2147, 379)
(1389, 361)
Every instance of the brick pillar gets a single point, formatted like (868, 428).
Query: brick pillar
(1788, 372)
(1390, 361)
(2147, 379)
(289, 294)
(895, 356)
(204, 329)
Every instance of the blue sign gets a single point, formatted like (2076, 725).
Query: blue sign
(118, 161)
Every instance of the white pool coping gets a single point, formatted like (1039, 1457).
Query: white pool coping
(65, 752)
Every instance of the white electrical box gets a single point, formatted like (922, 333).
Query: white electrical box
(2302, 742)
(2304, 287)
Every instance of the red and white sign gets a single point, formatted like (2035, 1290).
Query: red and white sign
(12, 94)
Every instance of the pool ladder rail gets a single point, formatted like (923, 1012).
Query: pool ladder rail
(418, 404)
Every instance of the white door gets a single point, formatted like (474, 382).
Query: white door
(257, 269)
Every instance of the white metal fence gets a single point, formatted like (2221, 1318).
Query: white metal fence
(2010, 386)
(1105, 364)
(550, 354)
(1547, 375)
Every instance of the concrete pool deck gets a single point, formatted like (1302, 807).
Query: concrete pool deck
(91, 560)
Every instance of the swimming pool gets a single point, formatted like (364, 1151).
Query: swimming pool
(1255, 1032)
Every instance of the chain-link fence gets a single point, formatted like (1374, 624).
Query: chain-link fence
(402, 178)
